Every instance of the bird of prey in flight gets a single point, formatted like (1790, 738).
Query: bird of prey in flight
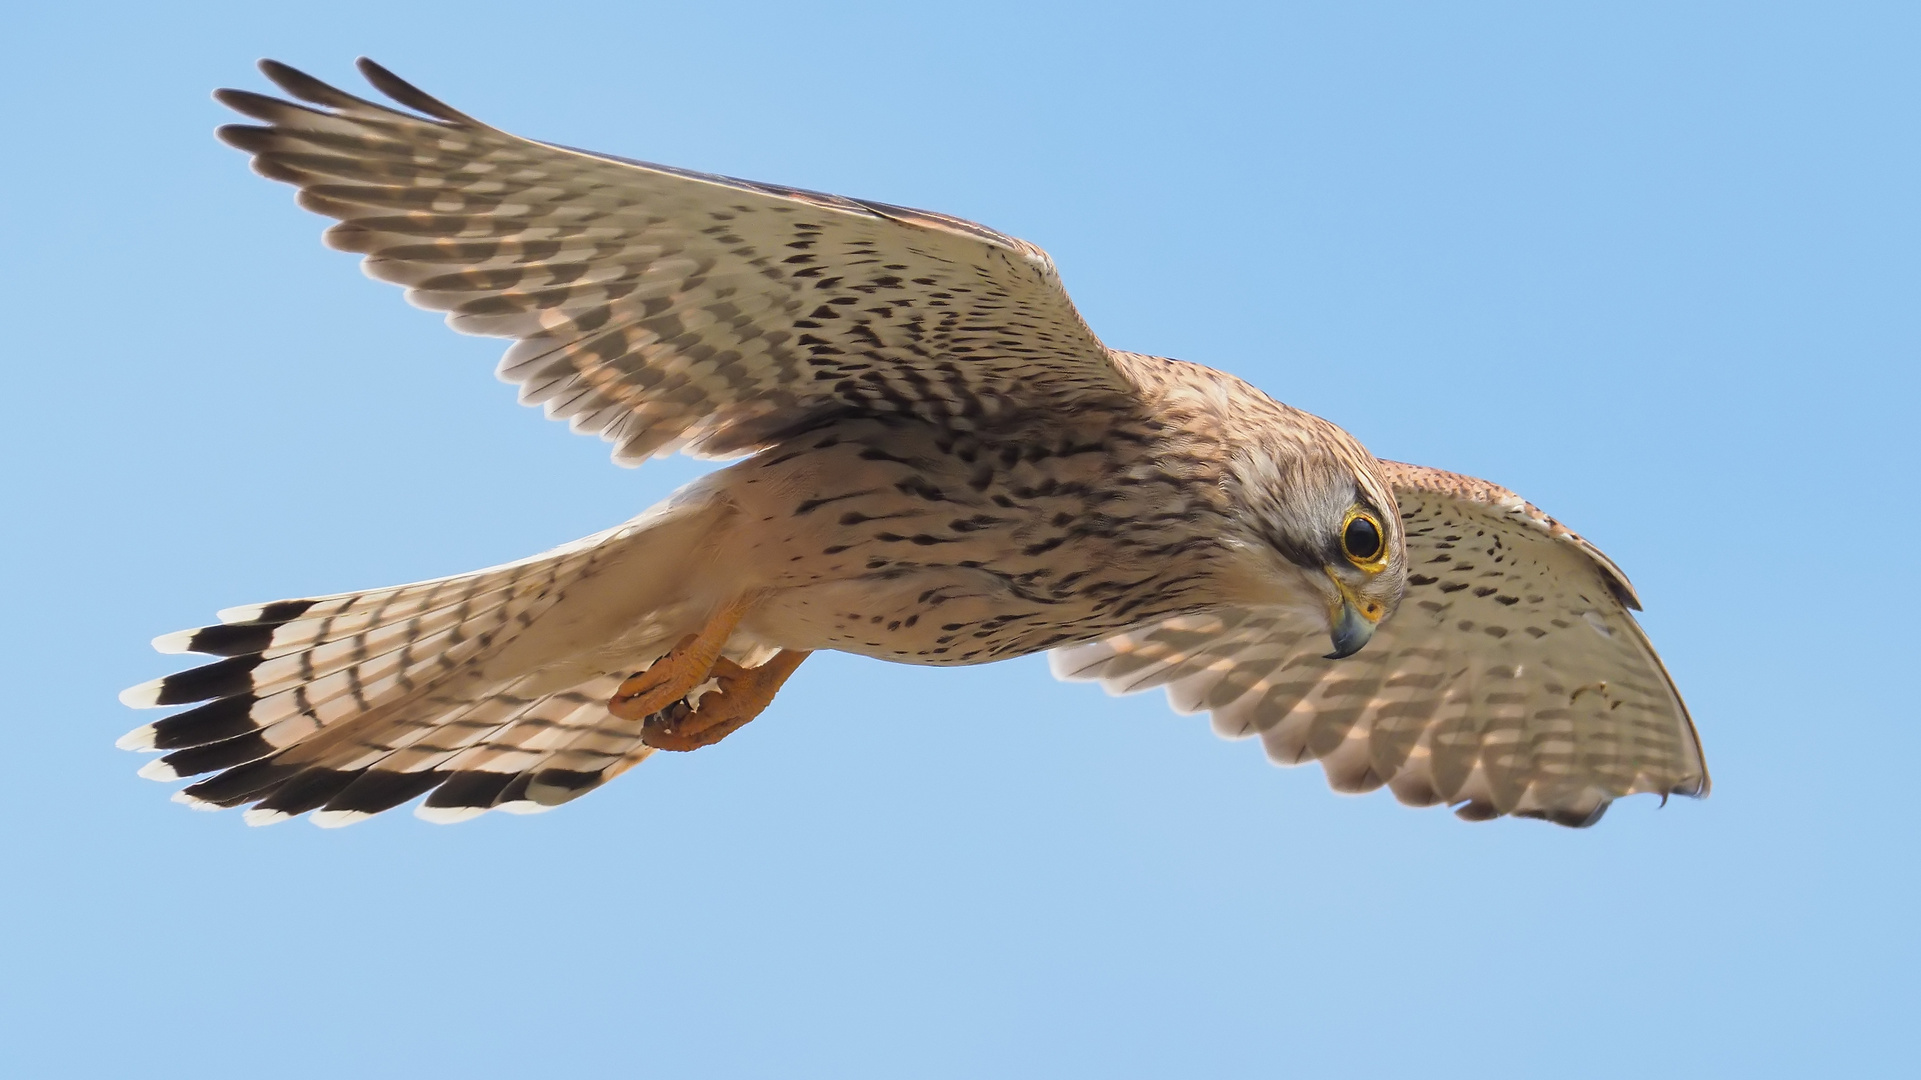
(939, 464)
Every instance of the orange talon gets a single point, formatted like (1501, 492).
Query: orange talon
(675, 675)
(743, 694)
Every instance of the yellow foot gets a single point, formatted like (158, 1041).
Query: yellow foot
(675, 675)
(743, 693)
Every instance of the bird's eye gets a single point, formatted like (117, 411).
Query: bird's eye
(1361, 540)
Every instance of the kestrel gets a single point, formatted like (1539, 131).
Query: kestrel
(941, 464)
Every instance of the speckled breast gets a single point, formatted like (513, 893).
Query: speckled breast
(907, 543)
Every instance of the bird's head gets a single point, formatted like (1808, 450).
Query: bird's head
(1323, 532)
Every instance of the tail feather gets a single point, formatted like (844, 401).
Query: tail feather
(464, 795)
(248, 629)
(494, 776)
(326, 711)
(295, 625)
(502, 735)
(306, 790)
(589, 747)
(552, 750)
(351, 704)
(355, 703)
(236, 786)
(295, 642)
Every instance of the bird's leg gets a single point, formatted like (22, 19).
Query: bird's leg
(675, 675)
(743, 693)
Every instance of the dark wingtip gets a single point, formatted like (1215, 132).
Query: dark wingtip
(285, 76)
(258, 106)
(1567, 818)
(247, 138)
(410, 95)
(1476, 810)
(307, 88)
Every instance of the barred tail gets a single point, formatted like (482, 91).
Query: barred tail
(352, 704)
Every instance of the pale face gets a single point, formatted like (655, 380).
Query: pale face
(1368, 573)
(1332, 549)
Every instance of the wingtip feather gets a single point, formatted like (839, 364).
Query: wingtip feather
(410, 95)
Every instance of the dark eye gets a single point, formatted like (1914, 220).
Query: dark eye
(1361, 540)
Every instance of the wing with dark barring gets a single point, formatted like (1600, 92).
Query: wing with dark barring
(1512, 680)
(660, 308)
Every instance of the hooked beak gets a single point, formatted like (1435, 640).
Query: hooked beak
(1349, 623)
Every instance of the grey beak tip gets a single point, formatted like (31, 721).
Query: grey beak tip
(1349, 633)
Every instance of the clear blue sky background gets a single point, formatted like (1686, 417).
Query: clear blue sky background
(1651, 264)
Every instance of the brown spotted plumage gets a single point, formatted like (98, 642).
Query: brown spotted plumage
(942, 465)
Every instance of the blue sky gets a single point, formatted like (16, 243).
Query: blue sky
(1652, 265)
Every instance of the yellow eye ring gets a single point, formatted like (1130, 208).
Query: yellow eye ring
(1363, 540)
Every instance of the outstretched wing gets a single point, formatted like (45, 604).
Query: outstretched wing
(1513, 679)
(665, 309)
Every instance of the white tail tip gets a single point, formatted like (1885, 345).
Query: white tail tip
(175, 642)
(140, 738)
(338, 819)
(144, 696)
(257, 816)
(158, 769)
(189, 801)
